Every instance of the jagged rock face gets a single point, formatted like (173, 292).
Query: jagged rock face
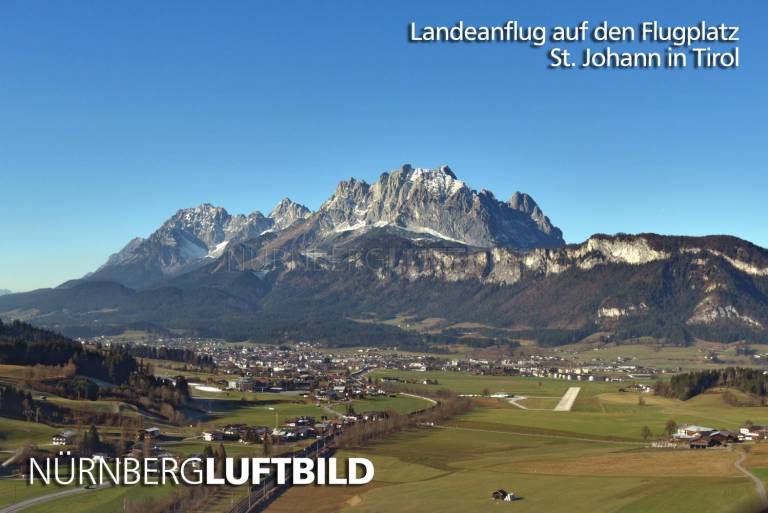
(189, 238)
(507, 266)
(524, 203)
(699, 282)
(418, 203)
(205, 223)
(714, 288)
(711, 310)
(286, 213)
(434, 202)
(419, 241)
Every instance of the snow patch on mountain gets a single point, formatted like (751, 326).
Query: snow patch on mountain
(217, 250)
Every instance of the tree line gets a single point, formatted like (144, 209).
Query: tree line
(361, 433)
(174, 354)
(690, 384)
(23, 344)
(63, 366)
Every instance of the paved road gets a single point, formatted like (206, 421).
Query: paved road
(330, 410)
(513, 401)
(759, 484)
(569, 397)
(19, 506)
(430, 401)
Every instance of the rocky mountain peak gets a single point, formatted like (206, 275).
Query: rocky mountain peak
(437, 203)
(440, 181)
(524, 203)
(288, 212)
(205, 222)
(417, 202)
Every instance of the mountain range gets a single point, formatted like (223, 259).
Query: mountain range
(415, 245)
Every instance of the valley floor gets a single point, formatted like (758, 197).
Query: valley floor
(592, 459)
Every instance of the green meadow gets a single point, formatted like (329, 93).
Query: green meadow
(14, 433)
(665, 357)
(16, 490)
(234, 411)
(453, 470)
(592, 459)
(104, 500)
(464, 383)
(399, 404)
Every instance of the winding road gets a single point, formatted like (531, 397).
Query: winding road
(430, 401)
(759, 484)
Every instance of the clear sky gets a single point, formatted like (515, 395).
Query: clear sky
(113, 115)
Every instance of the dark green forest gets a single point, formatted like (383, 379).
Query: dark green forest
(690, 384)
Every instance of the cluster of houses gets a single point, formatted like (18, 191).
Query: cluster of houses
(700, 437)
(751, 432)
(328, 375)
(64, 438)
(297, 429)
(69, 436)
(306, 366)
(300, 428)
(642, 388)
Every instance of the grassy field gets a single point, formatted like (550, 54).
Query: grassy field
(14, 373)
(400, 404)
(613, 416)
(14, 433)
(540, 403)
(16, 490)
(667, 357)
(456, 471)
(101, 501)
(591, 459)
(233, 411)
(464, 383)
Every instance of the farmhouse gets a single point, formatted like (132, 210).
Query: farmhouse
(212, 436)
(703, 443)
(253, 434)
(503, 495)
(151, 433)
(692, 432)
(713, 439)
(244, 384)
(233, 429)
(64, 438)
(751, 432)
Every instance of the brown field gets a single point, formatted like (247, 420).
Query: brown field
(643, 462)
(324, 499)
(757, 455)
(14, 372)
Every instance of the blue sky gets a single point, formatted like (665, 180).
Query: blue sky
(113, 115)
